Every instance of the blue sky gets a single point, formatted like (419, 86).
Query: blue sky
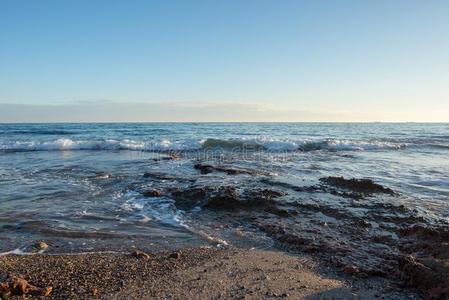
(271, 60)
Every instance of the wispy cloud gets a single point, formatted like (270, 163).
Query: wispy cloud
(106, 111)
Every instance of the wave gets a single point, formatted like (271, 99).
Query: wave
(192, 144)
(71, 145)
(301, 145)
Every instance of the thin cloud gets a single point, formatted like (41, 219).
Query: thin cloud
(107, 111)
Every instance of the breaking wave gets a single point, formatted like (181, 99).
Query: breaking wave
(190, 145)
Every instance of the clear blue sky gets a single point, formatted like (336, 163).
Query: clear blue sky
(288, 60)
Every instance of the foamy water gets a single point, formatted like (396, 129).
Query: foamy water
(84, 184)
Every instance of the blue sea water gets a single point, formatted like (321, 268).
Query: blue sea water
(82, 185)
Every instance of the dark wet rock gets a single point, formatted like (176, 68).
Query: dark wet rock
(281, 212)
(221, 197)
(19, 286)
(356, 189)
(314, 189)
(267, 194)
(152, 193)
(384, 239)
(350, 270)
(157, 176)
(283, 235)
(264, 199)
(175, 255)
(440, 234)
(227, 197)
(384, 207)
(206, 169)
(329, 211)
(189, 198)
(430, 276)
(272, 182)
(357, 185)
(102, 175)
(308, 189)
(170, 156)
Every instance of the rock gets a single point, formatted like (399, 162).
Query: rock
(152, 193)
(191, 197)
(225, 197)
(206, 169)
(158, 176)
(140, 254)
(171, 156)
(357, 185)
(5, 296)
(42, 245)
(350, 270)
(228, 198)
(175, 255)
(19, 286)
(429, 275)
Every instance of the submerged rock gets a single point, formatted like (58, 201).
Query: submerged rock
(227, 197)
(206, 169)
(170, 156)
(187, 199)
(152, 193)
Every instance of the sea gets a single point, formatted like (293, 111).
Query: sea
(118, 186)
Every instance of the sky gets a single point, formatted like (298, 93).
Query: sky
(233, 60)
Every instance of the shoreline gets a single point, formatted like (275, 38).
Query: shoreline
(193, 273)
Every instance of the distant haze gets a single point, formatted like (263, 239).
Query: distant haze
(252, 60)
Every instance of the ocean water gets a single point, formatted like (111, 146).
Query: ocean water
(82, 186)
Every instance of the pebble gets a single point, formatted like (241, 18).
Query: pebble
(42, 245)
(140, 254)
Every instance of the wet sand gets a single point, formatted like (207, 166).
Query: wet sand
(193, 273)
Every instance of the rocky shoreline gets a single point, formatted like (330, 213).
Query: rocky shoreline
(352, 231)
(357, 242)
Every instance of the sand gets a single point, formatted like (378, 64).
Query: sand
(193, 273)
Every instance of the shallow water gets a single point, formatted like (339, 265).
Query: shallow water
(82, 186)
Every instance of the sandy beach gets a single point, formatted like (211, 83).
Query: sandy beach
(192, 273)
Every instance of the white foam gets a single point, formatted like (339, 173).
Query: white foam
(161, 209)
(361, 145)
(270, 144)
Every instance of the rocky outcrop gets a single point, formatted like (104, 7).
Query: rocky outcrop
(206, 169)
(363, 186)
